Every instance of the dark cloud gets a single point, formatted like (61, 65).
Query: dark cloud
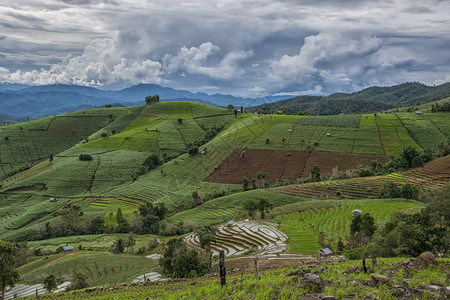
(230, 46)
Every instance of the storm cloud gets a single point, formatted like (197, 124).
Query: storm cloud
(245, 48)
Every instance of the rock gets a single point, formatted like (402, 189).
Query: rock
(425, 259)
(313, 283)
(296, 273)
(381, 279)
(399, 291)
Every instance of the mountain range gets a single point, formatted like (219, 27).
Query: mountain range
(20, 102)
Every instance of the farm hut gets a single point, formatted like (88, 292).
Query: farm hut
(357, 211)
(289, 130)
(52, 199)
(418, 112)
(325, 252)
(328, 134)
(230, 223)
(67, 248)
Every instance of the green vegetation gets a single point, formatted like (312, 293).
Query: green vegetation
(333, 219)
(100, 268)
(88, 179)
(279, 284)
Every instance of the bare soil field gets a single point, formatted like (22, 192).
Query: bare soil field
(281, 165)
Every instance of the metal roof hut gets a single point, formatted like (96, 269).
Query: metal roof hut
(357, 211)
(67, 248)
(325, 252)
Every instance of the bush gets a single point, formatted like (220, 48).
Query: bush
(193, 150)
(390, 190)
(85, 157)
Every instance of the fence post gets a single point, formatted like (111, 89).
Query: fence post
(222, 267)
(364, 262)
(374, 262)
(256, 267)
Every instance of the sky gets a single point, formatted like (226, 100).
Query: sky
(245, 48)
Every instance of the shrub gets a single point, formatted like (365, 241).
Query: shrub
(85, 157)
(193, 150)
(390, 190)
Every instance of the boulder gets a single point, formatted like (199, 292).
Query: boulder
(425, 259)
(379, 279)
(313, 283)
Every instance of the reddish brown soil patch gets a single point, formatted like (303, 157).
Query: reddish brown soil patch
(278, 165)
(284, 165)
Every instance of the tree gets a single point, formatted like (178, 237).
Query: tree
(8, 258)
(122, 223)
(390, 190)
(85, 157)
(130, 242)
(178, 261)
(250, 207)
(409, 191)
(180, 120)
(50, 283)
(151, 99)
(207, 235)
(235, 112)
(264, 207)
(245, 183)
(230, 106)
(260, 176)
(193, 150)
(315, 173)
(408, 154)
(79, 281)
(119, 246)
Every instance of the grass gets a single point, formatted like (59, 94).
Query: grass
(304, 226)
(273, 284)
(332, 121)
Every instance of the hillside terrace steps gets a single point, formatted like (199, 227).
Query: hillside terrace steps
(242, 236)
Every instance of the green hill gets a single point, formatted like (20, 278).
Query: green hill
(370, 100)
(38, 194)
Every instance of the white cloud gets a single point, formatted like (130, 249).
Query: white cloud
(195, 61)
(335, 57)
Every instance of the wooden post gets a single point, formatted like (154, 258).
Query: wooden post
(145, 279)
(256, 267)
(222, 271)
(364, 262)
(37, 293)
(374, 262)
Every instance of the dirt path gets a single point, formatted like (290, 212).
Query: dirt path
(59, 258)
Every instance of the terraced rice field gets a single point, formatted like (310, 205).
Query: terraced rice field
(23, 145)
(393, 135)
(433, 175)
(242, 236)
(101, 268)
(423, 130)
(303, 227)
(128, 207)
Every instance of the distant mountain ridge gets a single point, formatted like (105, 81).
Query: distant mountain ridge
(372, 99)
(18, 101)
